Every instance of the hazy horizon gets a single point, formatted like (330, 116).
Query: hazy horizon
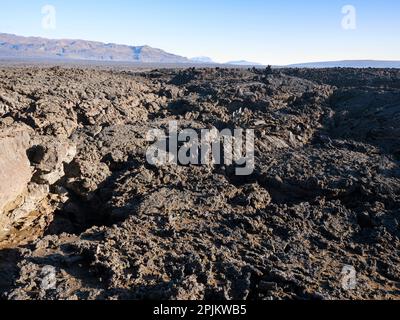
(266, 32)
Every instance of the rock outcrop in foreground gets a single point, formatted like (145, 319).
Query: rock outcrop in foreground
(15, 170)
(84, 216)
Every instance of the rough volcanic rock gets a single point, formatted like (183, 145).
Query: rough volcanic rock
(29, 166)
(15, 172)
(324, 195)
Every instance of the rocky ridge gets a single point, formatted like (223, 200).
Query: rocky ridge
(13, 46)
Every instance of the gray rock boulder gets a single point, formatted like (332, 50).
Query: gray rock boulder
(15, 169)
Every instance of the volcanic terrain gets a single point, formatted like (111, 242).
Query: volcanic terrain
(84, 216)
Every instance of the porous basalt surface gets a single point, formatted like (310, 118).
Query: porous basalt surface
(99, 222)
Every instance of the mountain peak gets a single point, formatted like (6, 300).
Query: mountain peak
(202, 59)
(13, 46)
(243, 63)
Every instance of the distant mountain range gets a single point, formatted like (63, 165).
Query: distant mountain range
(12, 46)
(349, 64)
(233, 63)
(244, 63)
(202, 60)
(17, 47)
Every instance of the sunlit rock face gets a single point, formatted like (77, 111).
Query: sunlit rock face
(15, 173)
(15, 169)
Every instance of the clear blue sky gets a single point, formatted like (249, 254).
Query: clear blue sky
(274, 32)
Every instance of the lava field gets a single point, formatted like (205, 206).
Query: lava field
(84, 216)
